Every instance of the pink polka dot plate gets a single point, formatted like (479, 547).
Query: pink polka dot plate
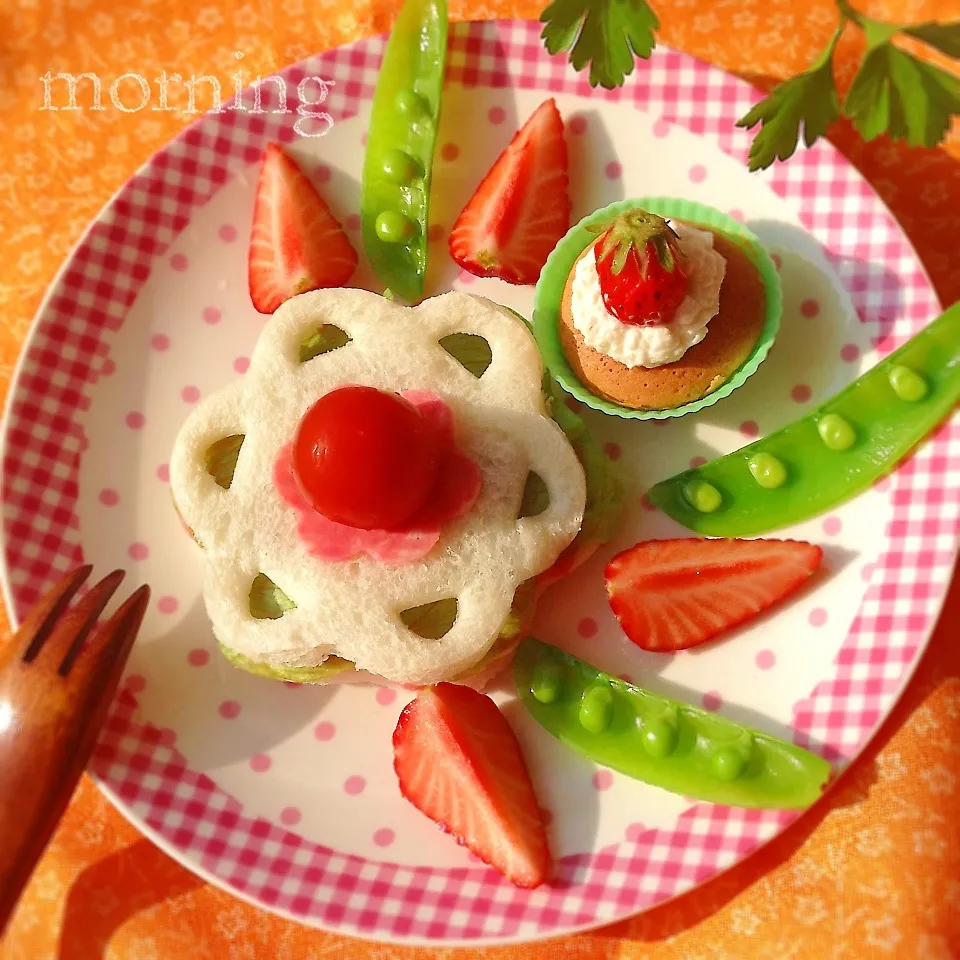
(285, 794)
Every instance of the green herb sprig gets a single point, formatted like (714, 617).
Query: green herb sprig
(893, 92)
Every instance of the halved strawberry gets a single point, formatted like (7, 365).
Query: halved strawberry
(673, 594)
(521, 209)
(296, 244)
(459, 763)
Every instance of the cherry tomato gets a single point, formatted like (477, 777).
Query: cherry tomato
(366, 458)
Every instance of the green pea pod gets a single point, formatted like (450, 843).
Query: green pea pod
(663, 742)
(828, 455)
(400, 144)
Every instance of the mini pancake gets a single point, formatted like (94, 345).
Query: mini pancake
(731, 336)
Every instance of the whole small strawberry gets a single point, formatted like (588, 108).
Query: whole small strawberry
(638, 261)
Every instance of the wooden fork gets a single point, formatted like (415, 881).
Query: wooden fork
(55, 689)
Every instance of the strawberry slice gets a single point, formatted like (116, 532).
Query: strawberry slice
(296, 244)
(673, 594)
(521, 209)
(459, 763)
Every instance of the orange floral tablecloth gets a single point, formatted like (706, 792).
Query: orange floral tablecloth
(874, 871)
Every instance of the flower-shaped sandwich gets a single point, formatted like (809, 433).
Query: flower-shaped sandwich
(375, 476)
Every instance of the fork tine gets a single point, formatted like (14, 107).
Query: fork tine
(72, 627)
(40, 620)
(89, 608)
(102, 663)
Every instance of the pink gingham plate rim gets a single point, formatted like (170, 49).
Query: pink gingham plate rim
(187, 814)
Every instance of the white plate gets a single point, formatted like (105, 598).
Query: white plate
(286, 794)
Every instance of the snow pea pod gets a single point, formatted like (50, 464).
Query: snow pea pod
(663, 742)
(827, 455)
(400, 144)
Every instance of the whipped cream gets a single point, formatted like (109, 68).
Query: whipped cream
(653, 345)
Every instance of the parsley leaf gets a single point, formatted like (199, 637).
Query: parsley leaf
(606, 34)
(809, 98)
(898, 94)
(944, 36)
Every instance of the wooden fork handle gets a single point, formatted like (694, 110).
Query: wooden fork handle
(48, 739)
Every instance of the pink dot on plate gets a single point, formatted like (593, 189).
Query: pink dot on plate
(612, 450)
(777, 262)
(635, 831)
(646, 504)
(546, 816)
(139, 551)
(178, 262)
(602, 780)
(736, 214)
(163, 472)
(229, 709)
(698, 173)
(198, 657)
(697, 462)
(260, 763)
(832, 526)
(352, 222)
(578, 124)
(465, 277)
(227, 233)
(818, 617)
(168, 604)
(324, 730)
(712, 700)
(766, 659)
(135, 420)
(160, 342)
(849, 353)
(435, 232)
(211, 315)
(290, 816)
(497, 114)
(190, 394)
(613, 170)
(108, 367)
(109, 497)
(136, 683)
(384, 837)
(801, 393)
(587, 627)
(354, 785)
(322, 173)
(241, 364)
(449, 152)
(810, 307)
(661, 128)
(749, 428)
(386, 696)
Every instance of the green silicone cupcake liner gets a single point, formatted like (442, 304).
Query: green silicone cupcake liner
(549, 292)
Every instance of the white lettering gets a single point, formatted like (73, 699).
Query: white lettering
(71, 81)
(191, 85)
(163, 85)
(309, 118)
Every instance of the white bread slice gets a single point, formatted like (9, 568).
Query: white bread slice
(351, 609)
